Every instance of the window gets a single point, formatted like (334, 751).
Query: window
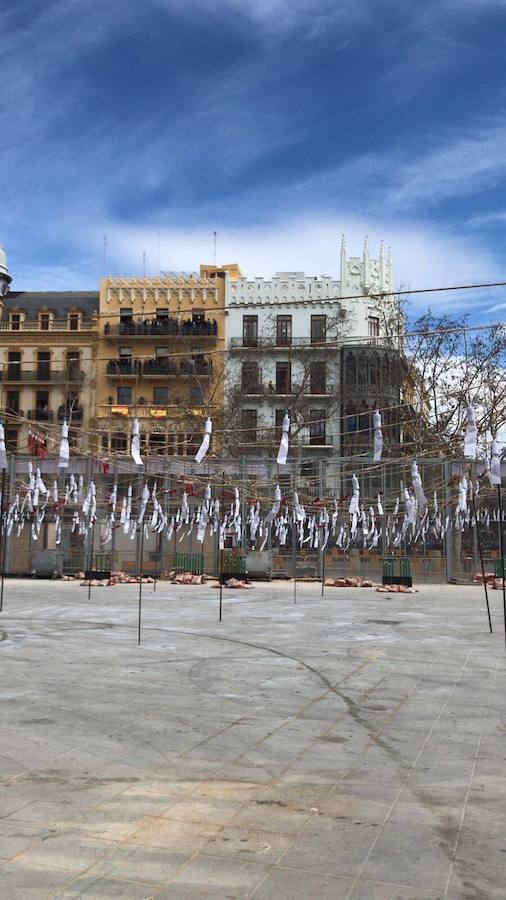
(162, 315)
(119, 441)
(249, 426)
(126, 321)
(11, 440)
(374, 326)
(280, 414)
(74, 321)
(249, 378)
(196, 396)
(73, 364)
(161, 396)
(44, 321)
(318, 378)
(283, 378)
(318, 329)
(193, 442)
(250, 331)
(124, 396)
(104, 443)
(350, 370)
(317, 426)
(157, 442)
(43, 365)
(283, 331)
(42, 405)
(13, 402)
(15, 321)
(14, 365)
(125, 360)
(161, 352)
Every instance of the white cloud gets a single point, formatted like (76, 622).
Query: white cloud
(457, 167)
(422, 257)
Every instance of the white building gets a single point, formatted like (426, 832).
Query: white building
(288, 338)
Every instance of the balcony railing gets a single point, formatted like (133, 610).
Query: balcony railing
(55, 325)
(154, 328)
(307, 343)
(381, 389)
(154, 368)
(41, 375)
(259, 389)
(41, 415)
(70, 415)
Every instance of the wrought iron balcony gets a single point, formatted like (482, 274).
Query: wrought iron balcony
(41, 415)
(162, 328)
(271, 342)
(42, 375)
(157, 368)
(196, 367)
(71, 415)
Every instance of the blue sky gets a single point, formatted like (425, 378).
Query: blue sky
(279, 123)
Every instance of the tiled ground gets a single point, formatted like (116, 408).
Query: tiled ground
(346, 747)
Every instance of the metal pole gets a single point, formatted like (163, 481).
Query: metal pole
(323, 570)
(501, 551)
(4, 537)
(480, 553)
(220, 545)
(141, 566)
(294, 557)
(90, 560)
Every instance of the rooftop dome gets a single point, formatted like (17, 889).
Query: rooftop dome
(4, 271)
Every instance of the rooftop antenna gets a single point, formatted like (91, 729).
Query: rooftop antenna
(104, 256)
(215, 236)
(143, 263)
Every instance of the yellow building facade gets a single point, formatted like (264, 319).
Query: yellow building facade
(47, 369)
(161, 356)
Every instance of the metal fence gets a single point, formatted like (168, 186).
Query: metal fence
(318, 483)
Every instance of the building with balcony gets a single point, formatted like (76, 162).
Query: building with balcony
(161, 359)
(290, 343)
(47, 367)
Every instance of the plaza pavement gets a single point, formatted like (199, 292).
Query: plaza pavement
(350, 746)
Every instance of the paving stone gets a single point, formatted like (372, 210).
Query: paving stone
(196, 765)
(285, 884)
(210, 877)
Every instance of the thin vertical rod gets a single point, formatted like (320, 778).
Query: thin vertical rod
(220, 542)
(323, 570)
(141, 568)
(90, 559)
(482, 564)
(4, 538)
(294, 558)
(501, 551)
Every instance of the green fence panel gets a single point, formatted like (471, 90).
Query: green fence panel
(499, 567)
(189, 562)
(388, 567)
(405, 567)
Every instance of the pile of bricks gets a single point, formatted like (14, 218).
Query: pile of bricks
(492, 580)
(348, 582)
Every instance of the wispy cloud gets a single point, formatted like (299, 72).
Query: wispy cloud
(424, 257)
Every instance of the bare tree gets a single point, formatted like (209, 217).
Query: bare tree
(450, 367)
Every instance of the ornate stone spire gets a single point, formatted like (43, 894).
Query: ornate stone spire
(5, 278)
